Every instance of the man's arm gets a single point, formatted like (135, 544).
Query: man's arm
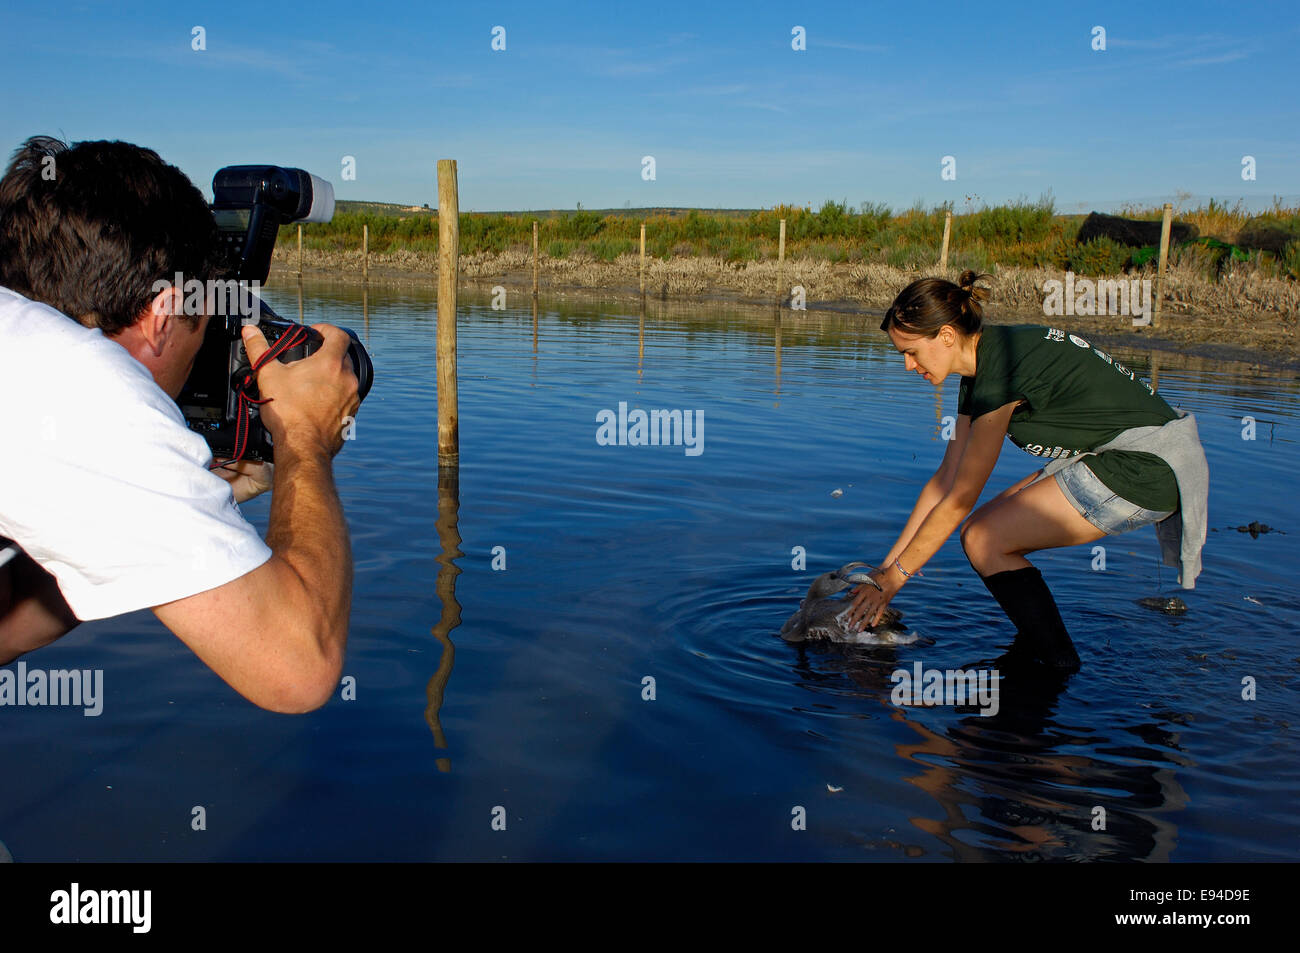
(277, 634)
(33, 612)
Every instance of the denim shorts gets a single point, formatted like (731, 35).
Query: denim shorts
(1099, 504)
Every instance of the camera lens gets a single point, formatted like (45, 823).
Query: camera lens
(361, 365)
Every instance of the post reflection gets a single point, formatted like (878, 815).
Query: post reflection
(776, 343)
(640, 340)
(445, 587)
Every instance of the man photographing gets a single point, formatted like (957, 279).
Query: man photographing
(103, 488)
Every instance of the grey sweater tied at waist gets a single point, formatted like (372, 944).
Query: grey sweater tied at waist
(1182, 533)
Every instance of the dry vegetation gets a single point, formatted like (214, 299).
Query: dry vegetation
(847, 260)
(1241, 308)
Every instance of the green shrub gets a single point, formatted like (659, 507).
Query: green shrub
(1101, 256)
(1289, 263)
(742, 250)
(608, 249)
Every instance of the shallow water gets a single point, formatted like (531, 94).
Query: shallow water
(627, 562)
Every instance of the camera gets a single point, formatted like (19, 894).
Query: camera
(219, 399)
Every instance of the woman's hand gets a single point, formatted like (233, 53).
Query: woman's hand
(248, 478)
(869, 602)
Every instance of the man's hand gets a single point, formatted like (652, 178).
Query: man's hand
(308, 398)
(869, 602)
(248, 478)
(278, 634)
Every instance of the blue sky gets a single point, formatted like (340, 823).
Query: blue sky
(732, 115)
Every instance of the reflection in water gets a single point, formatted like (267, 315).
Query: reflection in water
(449, 540)
(640, 339)
(534, 324)
(365, 310)
(1136, 734)
(1006, 785)
(776, 334)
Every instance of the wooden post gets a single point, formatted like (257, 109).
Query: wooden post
(365, 253)
(643, 259)
(534, 259)
(947, 231)
(1165, 225)
(299, 251)
(448, 272)
(780, 266)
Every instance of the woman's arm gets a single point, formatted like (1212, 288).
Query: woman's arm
(973, 469)
(935, 488)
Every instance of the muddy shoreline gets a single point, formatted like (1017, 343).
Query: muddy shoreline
(1246, 336)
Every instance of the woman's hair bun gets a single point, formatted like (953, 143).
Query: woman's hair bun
(927, 304)
(967, 283)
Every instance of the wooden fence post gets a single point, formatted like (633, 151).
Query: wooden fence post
(1165, 224)
(448, 272)
(780, 266)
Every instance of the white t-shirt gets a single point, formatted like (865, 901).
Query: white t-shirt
(101, 482)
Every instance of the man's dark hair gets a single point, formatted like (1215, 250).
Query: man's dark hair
(89, 228)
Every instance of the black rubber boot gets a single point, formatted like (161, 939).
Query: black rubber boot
(1028, 603)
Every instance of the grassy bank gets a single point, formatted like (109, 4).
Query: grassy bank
(1213, 300)
(1021, 235)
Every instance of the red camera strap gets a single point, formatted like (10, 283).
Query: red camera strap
(243, 417)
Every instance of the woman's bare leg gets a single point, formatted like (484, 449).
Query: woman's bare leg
(1023, 519)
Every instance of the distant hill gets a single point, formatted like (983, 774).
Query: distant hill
(381, 208)
(388, 208)
(1183, 201)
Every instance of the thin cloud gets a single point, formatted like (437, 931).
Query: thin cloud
(1212, 60)
(771, 107)
(856, 47)
(730, 89)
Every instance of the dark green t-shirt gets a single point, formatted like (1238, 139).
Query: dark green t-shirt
(1078, 398)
